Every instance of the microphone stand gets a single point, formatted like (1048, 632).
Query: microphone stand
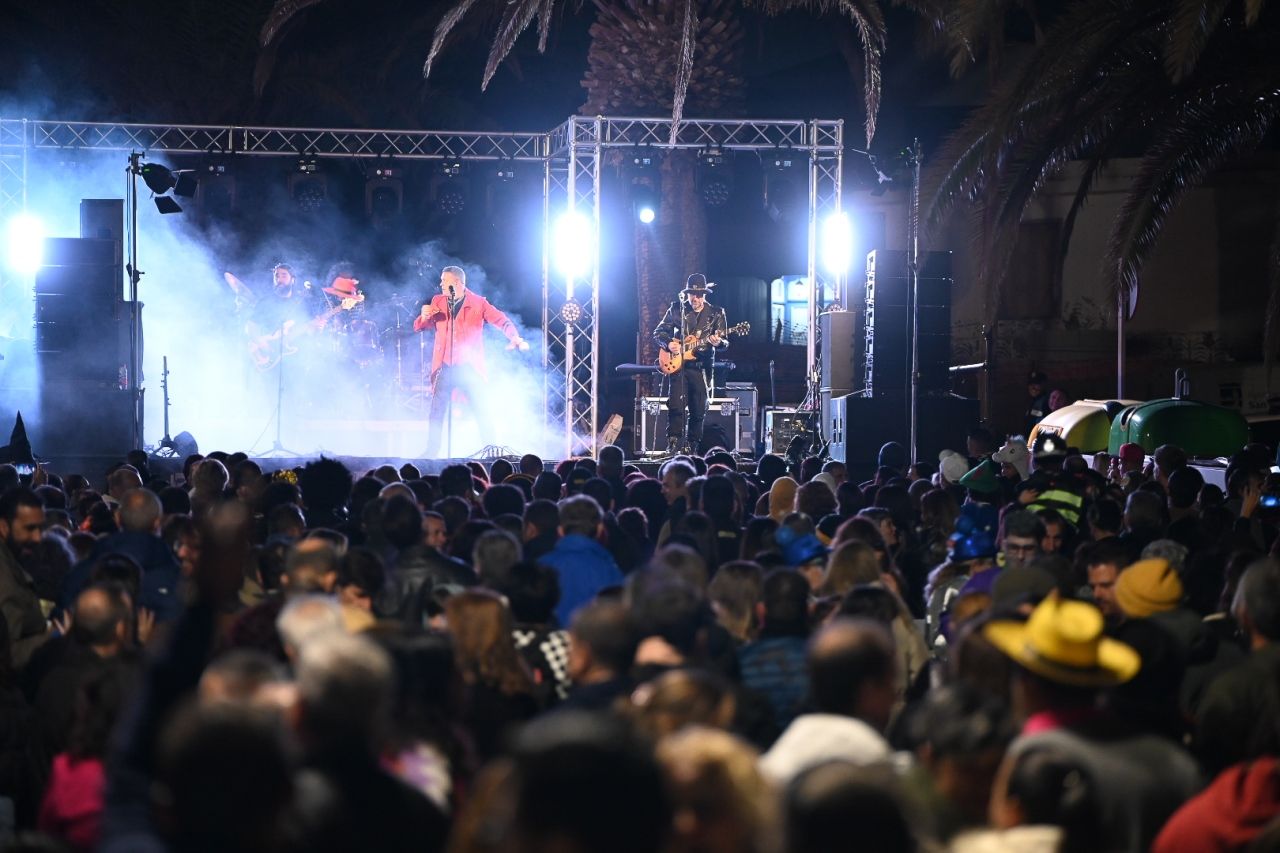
(448, 365)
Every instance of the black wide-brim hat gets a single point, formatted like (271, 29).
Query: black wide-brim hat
(698, 284)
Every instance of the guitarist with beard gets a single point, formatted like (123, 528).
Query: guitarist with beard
(276, 318)
(692, 316)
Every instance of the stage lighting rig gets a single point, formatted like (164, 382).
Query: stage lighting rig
(383, 195)
(641, 172)
(308, 187)
(785, 183)
(715, 176)
(161, 180)
(450, 191)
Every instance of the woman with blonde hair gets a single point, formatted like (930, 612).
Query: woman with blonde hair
(500, 689)
(853, 562)
(722, 803)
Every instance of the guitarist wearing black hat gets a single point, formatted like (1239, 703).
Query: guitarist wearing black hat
(690, 318)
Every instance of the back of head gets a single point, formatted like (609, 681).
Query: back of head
(606, 629)
(308, 563)
(1144, 510)
(1184, 487)
(100, 611)
(1258, 598)
(209, 801)
(500, 499)
(455, 482)
(548, 486)
(532, 590)
(786, 603)
(1055, 789)
(306, 618)
(344, 688)
(664, 606)
(401, 522)
(585, 783)
(599, 490)
(495, 552)
(844, 657)
(829, 805)
(544, 515)
(325, 484)
(580, 515)
(531, 465)
(1105, 515)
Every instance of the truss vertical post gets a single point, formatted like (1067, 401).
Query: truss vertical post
(826, 164)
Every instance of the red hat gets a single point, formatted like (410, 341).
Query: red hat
(1131, 452)
(342, 287)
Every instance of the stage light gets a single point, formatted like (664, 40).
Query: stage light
(785, 184)
(308, 188)
(158, 178)
(24, 243)
(714, 177)
(571, 311)
(645, 202)
(837, 243)
(383, 196)
(572, 242)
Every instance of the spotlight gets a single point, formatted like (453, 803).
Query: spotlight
(641, 170)
(571, 311)
(216, 195)
(161, 179)
(24, 243)
(449, 190)
(645, 202)
(157, 178)
(572, 242)
(837, 243)
(383, 196)
(714, 177)
(308, 188)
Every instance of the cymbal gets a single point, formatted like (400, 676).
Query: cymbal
(240, 289)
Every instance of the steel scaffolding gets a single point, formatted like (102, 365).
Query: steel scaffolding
(571, 155)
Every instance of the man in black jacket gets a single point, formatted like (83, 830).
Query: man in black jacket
(692, 316)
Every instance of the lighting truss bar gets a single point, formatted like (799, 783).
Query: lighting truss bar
(281, 141)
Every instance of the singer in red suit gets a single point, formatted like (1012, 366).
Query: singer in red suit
(457, 316)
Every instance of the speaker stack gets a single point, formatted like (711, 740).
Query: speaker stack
(887, 340)
(82, 341)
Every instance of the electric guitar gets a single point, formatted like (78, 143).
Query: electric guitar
(266, 354)
(669, 362)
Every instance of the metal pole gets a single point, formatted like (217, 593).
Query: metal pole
(1122, 306)
(913, 274)
(132, 383)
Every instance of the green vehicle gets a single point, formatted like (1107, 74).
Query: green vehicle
(1204, 431)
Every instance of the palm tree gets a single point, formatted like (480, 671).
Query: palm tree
(1194, 83)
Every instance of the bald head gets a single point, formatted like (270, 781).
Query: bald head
(101, 619)
(851, 670)
(123, 479)
(312, 566)
(139, 511)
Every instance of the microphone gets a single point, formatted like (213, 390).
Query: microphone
(450, 286)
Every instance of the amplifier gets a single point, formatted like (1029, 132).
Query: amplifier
(781, 424)
(726, 412)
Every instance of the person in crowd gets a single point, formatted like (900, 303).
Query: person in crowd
(852, 691)
(499, 685)
(775, 664)
(584, 565)
(602, 647)
(21, 526)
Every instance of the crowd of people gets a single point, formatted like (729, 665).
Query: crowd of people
(1008, 650)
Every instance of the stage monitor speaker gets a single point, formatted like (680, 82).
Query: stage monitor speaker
(867, 423)
(726, 413)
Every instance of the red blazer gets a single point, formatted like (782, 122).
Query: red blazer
(468, 338)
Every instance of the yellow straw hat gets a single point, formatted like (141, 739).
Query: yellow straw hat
(1063, 642)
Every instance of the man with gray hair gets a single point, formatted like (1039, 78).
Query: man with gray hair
(584, 565)
(306, 618)
(458, 316)
(346, 801)
(138, 514)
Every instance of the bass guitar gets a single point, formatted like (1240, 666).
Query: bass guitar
(669, 362)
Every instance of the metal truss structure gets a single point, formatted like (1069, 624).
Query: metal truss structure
(572, 156)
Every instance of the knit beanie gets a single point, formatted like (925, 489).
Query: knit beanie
(1148, 587)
